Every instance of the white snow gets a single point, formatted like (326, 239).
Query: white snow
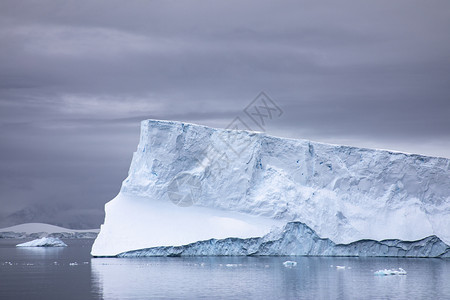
(44, 242)
(30, 228)
(387, 272)
(247, 183)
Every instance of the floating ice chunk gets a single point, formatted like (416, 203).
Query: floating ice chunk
(382, 272)
(401, 271)
(290, 264)
(340, 267)
(387, 272)
(73, 264)
(44, 242)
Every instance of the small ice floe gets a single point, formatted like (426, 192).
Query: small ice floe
(231, 265)
(340, 267)
(86, 263)
(387, 272)
(73, 264)
(290, 264)
(44, 242)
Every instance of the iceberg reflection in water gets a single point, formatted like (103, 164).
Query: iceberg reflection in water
(267, 278)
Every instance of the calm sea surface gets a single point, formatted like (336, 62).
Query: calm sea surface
(70, 273)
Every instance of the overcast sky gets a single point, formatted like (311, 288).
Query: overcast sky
(76, 77)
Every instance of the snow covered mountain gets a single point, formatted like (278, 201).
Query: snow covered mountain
(190, 183)
(38, 230)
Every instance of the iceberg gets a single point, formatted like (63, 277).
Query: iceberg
(44, 242)
(297, 239)
(290, 264)
(387, 272)
(192, 185)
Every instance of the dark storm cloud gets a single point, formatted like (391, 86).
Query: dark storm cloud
(76, 78)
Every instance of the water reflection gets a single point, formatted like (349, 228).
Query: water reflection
(266, 277)
(70, 273)
(45, 272)
(39, 252)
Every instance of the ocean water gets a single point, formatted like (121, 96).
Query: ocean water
(70, 273)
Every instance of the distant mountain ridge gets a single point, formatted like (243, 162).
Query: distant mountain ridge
(52, 215)
(38, 230)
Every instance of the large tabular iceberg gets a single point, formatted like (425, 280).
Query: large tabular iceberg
(190, 183)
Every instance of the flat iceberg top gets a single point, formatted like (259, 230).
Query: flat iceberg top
(343, 193)
(44, 242)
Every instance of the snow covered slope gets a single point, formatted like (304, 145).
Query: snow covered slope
(189, 183)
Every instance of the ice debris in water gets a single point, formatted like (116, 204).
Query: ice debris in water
(233, 265)
(290, 264)
(387, 272)
(340, 267)
(73, 264)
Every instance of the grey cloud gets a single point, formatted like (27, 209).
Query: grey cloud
(78, 76)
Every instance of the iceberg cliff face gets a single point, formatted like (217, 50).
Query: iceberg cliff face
(298, 239)
(190, 183)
